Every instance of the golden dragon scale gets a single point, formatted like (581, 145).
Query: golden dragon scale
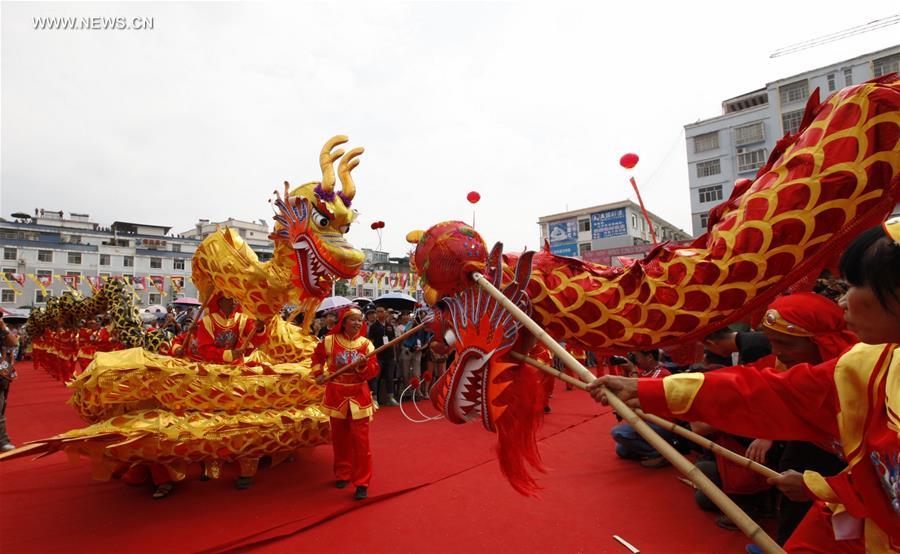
(147, 407)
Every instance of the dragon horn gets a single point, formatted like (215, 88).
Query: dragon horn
(327, 159)
(348, 187)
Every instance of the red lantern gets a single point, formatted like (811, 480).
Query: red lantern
(629, 160)
(377, 225)
(415, 382)
(473, 197)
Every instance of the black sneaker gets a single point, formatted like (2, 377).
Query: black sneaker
(361, 493)
(341, 483)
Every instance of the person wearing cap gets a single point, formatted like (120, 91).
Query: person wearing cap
(852, 401)
(348, 400)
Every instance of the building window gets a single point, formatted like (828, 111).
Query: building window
(44, 273)
(710, 194)
(584, 225)
(128, 261)
(883, 66)
(635, 222)
(154, 298)
(848, 76)
(45, 256)
(751, 161)
(102, 275)
(790, 121)
(830, 78)
(709, 167)
(75, 258)
(748, 134)
(75, 239)
(155, 263)
(7, 296)
(104, 259)
(8, 271)
(584, 247)
(10, 254)
(704, 220)
(73, 278)
(706, 142)
(176, 248)
(794, 92)
(40, 297)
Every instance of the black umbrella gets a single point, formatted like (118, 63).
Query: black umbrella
(396, 301)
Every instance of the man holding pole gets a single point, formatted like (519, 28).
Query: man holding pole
(348, 400)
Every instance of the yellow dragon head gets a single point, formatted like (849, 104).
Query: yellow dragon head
(313, 219)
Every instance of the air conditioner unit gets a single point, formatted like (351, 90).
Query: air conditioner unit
(741, 150)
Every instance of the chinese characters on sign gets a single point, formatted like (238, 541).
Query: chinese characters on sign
(570, 250)
(610, 223)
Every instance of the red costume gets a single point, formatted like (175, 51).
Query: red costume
(348, 400)
(86, 347)
(220, 336)
(850, 404)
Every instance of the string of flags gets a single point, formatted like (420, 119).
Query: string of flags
(93, 284)
(16, 282)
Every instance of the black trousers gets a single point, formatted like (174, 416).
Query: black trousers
(384, 380)
(802, 456)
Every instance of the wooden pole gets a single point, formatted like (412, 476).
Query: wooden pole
(749, 527)
(375, 352)
(700, 440)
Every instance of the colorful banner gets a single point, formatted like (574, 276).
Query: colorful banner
(140, 283)
(9, 283)
(159, 282)
(177, 283)
(42, 281)
(95, 283)
(71, 281)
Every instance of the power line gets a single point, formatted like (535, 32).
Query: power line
(832, 37)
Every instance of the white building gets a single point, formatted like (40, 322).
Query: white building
(737, 143)
(256, 234)
(608, 226)
(49, 244)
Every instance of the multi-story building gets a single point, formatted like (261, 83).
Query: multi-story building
(255, 234)
(377, 261)
(49, 244)
(735, 144)
(604, 227)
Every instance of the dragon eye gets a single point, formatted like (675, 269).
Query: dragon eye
(320, 218)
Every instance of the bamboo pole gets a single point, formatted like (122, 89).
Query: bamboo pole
(749, 527)
(700, 440)
(375, 352)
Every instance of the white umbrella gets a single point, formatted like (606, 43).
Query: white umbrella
(333, 303)
(155, 309)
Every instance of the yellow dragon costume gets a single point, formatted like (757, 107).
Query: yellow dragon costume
(146, 407)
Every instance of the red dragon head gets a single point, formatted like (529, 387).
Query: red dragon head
(313, 219)
(482, 381)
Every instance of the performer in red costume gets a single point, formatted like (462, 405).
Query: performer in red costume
(348, 399)
(224, 334)
(852, 402)
(86, 346)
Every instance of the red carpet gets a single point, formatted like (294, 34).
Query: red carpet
(436, 488)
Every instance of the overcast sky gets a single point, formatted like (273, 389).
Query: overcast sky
(531, 104)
